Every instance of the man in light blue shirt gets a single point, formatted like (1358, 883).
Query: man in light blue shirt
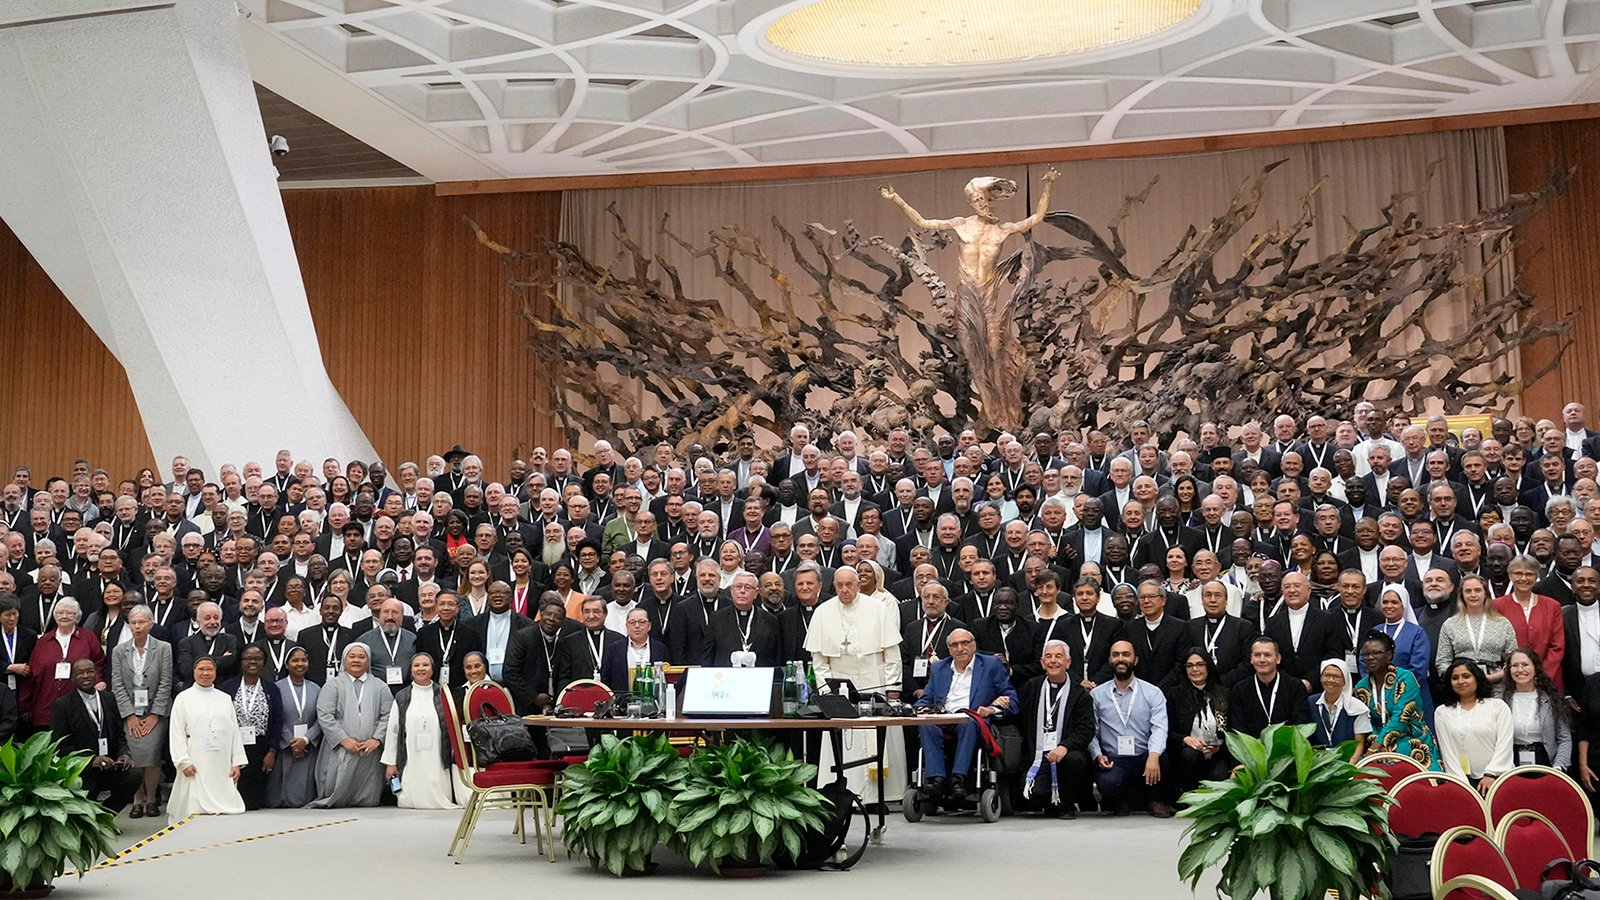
(1130, 736)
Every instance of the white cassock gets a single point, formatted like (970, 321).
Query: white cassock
(424, 781)
(861, 642)
(203, 732)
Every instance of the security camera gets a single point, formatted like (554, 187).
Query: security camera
(279, 145)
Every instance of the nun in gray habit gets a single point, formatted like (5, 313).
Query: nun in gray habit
(353, 710)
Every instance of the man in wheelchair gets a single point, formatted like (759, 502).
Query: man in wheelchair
(967, 680)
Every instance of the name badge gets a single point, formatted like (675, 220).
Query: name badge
(1125, 745)
(392, 675)
(63, 670)
(248, 737)
(444, 674)
(497, 655)
(1526, 757)
(302, 732)
(103, 748)
(11, 682)
(1350, 660)
(212, 741)
(424, 740)
(919, 667)
(141, 698)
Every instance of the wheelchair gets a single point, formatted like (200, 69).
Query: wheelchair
(986, 796)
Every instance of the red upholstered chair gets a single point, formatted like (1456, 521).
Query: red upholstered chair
(1465, 850)
(511, 785)
(1390, 768)
(583, 695)
(1553, 794)
(1530, 841)
(1433, 803)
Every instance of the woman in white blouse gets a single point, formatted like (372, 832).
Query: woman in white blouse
(1540, 724)
(1474, 727)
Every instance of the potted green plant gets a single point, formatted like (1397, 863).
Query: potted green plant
(47, 819)
(615, 805)
(1293, 820)
(741, 802)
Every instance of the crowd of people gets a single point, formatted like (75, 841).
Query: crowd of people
(286, 635)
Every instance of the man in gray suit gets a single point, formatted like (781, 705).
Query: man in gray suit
(391, 646)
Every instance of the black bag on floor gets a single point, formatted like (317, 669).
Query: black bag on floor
(500, 739)
(1408, 878)
(823, 849)
(1583, 885)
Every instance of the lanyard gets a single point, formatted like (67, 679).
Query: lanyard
(1328, 722)
(1086, 628)
(1053, 699)
(93, 705)
(394, 649)
(1397, 626)
(331, 636)
(1125, 715)
(1211, 638)
(444, 646)
(299, 699)
(521, 600)
(549, 655)
(1351, 626)
(277, 658)
(929, 636)
(1380, 695)
(249, 636)
(1477, 639)
(360, 688)
(984, 604)
(11, 647)
(1051, 631)
(1272, 695)
(744, 633)
(597, 649)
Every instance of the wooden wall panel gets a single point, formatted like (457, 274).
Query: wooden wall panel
(65, 396)
(1558, 258)
(416, 322)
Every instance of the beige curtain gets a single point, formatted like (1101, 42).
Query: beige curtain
(1359, 178)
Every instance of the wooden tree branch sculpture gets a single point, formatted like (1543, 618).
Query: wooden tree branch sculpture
(817, 337)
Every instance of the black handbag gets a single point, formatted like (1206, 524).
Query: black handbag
(499, 738)
(1408, 876)
(1583, 883)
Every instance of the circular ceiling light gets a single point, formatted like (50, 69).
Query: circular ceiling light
(922, 34)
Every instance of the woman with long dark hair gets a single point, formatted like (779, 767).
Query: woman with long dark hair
(1476, 734)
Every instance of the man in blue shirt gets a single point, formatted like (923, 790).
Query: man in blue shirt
(1130, 736)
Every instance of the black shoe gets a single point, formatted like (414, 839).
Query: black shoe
(934, 788)
(958, 788)
(1118, 811)
(1066, 812)
(1160, 810)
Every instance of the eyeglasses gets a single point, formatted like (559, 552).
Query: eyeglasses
(1194, 665)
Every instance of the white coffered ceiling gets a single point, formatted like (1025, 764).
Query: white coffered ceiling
(476, 89)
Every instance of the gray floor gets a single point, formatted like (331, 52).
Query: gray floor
(388, 849)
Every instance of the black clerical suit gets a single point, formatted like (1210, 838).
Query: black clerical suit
(531, 663)
(224, 648)
(921, 639)
(1018, 647)
(687, 630)
(1160, 649)
(1068, 713)
(1318, 641)
(794, 623)
(449, 648)
(1090, 641)
(1252, 706)
(730, 630)
(321, 647)
(576, 657)
(1227, 641)
(79, 730)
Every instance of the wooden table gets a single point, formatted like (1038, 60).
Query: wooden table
(835, 729)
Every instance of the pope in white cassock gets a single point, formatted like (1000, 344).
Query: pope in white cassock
(857, 637)
(207, 750)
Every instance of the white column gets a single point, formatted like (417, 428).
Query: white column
(134, 169)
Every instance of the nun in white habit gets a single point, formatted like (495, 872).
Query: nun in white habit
(207, 749)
